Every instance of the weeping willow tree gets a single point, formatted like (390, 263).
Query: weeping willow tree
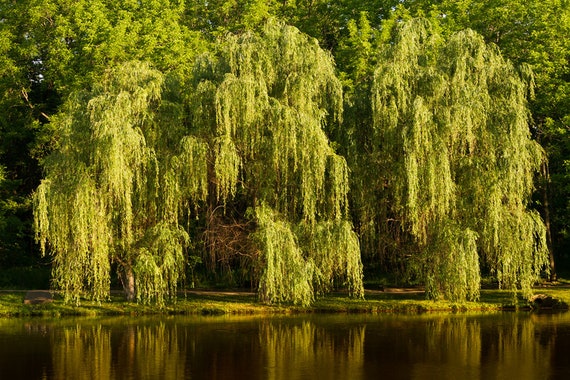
(270, 95)
(115, 187)
(138, 154)
(457, 161)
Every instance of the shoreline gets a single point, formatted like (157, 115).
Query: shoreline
(239, 302)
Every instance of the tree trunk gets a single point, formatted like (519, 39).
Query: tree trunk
(546, 204)
(128, 280)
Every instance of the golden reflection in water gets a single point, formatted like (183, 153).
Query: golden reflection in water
(454, 340)
(458, 348)
(519, 355)
(163, 351)
(304, 350)
(82, 353)
(513, 346)
(144, 352)
(156, 352)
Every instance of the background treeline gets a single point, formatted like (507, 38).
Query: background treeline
(291, 146)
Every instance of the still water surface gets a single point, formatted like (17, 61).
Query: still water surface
(515, 346)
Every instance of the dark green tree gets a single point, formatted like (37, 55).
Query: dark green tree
(25, 102)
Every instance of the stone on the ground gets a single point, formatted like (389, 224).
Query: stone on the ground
(544, 301)
(34, 297)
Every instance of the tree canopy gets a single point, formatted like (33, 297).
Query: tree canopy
(269, 98)
(108, 197)
(449, 115)
(287, 146)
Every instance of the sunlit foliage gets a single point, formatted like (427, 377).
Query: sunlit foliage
(126, 171)
(451, 120)
(273, 94)
(170, 129)
(112, 194)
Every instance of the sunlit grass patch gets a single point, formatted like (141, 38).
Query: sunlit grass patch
(247, 303)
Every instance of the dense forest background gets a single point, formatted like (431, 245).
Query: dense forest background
(290, 146)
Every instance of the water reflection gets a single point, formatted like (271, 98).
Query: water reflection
(78, 348)
(299, 351)
(490, 346)
(518, 353)
(461, 336)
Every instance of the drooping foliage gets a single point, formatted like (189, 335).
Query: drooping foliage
(130, 164)
(273, 94)
(536, 33)
(112, 194)
(242, 135)
(287, 273)
(451, 121)
(51, 48)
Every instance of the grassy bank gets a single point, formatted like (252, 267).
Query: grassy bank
(214, 303)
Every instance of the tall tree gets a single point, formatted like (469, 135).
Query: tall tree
(115, 187)
(536, 33)
(48, 50)
(132, 163)
(24, 102)
(455, 160)
(270, 98)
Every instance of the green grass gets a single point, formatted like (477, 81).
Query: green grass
(216, 303)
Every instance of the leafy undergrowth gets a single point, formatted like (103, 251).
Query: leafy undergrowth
(217, 303)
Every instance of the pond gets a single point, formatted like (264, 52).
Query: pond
(506, 345)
